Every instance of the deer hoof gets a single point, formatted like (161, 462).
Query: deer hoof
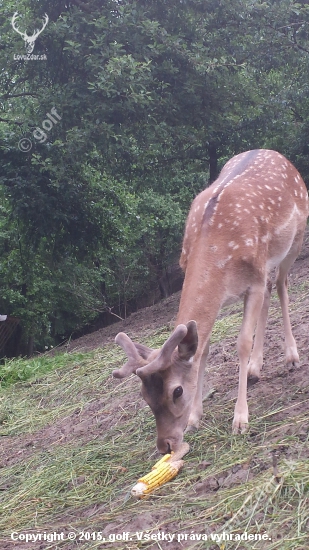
(291, 357)
(240, 423)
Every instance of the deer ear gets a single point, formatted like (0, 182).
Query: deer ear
(143, 351)
(188, 345)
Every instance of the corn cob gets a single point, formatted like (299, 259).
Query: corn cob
(162, 472)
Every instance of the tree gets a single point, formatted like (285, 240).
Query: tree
(134, 109)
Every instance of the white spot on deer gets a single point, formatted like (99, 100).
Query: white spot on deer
(249, 242)
(236, 246)
(267, 187)
(295, 193)
(220, 225)
(214, 248)
(264, 239)
(231, 244)
(222, 263)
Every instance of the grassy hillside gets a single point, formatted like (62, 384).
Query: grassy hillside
(74, 441)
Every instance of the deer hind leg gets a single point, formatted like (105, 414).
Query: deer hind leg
(197, 405)
(252, 309)
(291, 354)
(256, 359)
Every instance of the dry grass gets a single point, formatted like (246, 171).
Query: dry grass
(257, 483)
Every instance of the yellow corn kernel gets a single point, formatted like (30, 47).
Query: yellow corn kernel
(164, 458)
(162, 472)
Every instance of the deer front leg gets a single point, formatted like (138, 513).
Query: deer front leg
(252, 308)
(197, 405)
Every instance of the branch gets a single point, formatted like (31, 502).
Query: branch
(109, 310)
(297, 115)
(22, 94)
(298, 46)
(11, 121)
(298, 23)
(105, 308)
(293, 42)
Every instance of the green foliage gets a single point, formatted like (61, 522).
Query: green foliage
(146, 92)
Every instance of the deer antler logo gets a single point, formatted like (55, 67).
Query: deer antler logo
(29, 40)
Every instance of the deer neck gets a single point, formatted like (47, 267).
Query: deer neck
(203, 292)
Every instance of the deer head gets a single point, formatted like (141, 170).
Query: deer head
(166, 376)
(29, 40)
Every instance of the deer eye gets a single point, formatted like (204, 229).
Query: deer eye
(177, 392)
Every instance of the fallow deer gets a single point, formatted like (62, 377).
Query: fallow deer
(250, 220)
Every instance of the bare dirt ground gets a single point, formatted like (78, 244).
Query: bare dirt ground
(276, 383)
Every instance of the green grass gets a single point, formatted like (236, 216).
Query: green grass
(81, 479)
(20, 370)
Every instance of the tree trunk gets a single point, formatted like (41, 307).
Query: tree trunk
(30, 345)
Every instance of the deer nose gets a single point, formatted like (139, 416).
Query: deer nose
(164, 446)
